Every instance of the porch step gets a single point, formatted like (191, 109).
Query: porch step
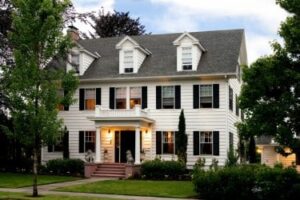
(114, 170)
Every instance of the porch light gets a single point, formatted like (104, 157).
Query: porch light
(146, 131)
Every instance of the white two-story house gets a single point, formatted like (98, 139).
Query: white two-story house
(133, 88)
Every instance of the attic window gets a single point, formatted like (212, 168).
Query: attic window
(187, 58)
(128, 61)
(75, 61)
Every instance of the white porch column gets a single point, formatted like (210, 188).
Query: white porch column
(137, 146)
(98, 145)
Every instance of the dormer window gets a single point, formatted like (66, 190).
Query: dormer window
(128, 61)
(187, 60)
(75, 61)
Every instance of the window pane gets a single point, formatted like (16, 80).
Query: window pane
(206, 143)
(90, 99)
(168, 142)
(168, 96)
(187, 58)
(120, 93)
(128, 59)
(206, 96)
(90, 104)
(206, 149)
(90, 141)
(135, 92)
(121, 103)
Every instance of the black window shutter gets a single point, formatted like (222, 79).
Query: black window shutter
(297, 158)
(81, 99)
(216, 143)
(81, 141)
(196, 96)
(144, 98)
(177, 97)
(196, 143)
(66, 145)
(112, 98)
(50, 148)
(158, 142)
(66, 107)
(98, 96)
(216, 95)
(158, 97)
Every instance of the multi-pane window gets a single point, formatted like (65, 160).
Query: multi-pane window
(135, 96)
(206, 143)
(128, 61)
(58, 146)
(75, 59)
(90, 99)
(120, 98)
(89, 141)
(230, 98)
(187, 58)
(168, 97)
(206, 96)
(168, 142)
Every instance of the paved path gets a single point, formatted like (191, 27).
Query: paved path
(45, 189)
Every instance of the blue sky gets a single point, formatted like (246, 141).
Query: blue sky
(259, 18)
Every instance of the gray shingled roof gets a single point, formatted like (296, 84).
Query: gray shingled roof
(221, 56)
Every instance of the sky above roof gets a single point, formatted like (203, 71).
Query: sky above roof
(260, 18)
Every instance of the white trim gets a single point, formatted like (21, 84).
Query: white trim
(195, 40)
(136, 45)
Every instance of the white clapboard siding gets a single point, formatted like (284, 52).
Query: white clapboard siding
(202, 119)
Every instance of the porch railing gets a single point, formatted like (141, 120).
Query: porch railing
(137, 111)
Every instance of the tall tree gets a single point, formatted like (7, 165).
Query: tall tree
(270, 94)
(116, 24)
(181, 139)
(31, 88)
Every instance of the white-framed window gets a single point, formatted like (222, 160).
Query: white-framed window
(206, 96)
(128, 61)
(135, 96)
(75, 61)
(89, 98)
(58, 146)
(120, 99)
(168, 142)
(168, 97)
(89, 141)
(187, 59)
(206, 143)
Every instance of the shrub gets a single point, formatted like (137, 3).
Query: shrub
(74, 167)
(158, 169)
(251, 181)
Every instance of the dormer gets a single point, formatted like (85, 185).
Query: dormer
(131, 55)
(189, 51)
(79, 59)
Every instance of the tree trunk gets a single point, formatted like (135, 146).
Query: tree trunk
(35, 173)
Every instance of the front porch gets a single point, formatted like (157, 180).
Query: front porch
(119, 131)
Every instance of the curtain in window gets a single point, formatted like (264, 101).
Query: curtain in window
(120, 93)
(135, 92)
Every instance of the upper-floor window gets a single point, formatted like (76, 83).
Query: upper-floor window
(187, 58)
(230, 99)
(128, 61)
(60, 94)
(206, 96)
(121, 98)
(90, 99)
(168, 97)
(206, 143)
(75, 61)
(135, 96)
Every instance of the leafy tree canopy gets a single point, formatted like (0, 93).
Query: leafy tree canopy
(270, 94)
(116, 24)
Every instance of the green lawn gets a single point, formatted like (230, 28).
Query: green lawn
(21, 196)
(173, 189)
(13, 180)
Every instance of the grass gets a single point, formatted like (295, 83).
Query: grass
(22, 196)
(172, 189)
(14, 180)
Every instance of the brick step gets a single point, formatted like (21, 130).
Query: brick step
(109, 175)
(117, 173)
(109, 170)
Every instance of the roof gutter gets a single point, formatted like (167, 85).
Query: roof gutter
(166, 78)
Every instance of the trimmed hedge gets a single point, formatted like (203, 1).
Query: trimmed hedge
(73, 167)
(247, 182)
(159, 169)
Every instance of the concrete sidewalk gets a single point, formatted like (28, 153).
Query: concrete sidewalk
(45, 189)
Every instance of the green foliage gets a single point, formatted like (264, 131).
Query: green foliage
(271, 90)
(181, 139)
(232, 158)
(116, 24)
(253, 182)
(214, 164)
(65, 167)
(200, 164)
(159, 169)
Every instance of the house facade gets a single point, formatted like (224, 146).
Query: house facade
(132, 90)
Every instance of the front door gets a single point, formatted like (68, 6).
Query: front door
(124, 141)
